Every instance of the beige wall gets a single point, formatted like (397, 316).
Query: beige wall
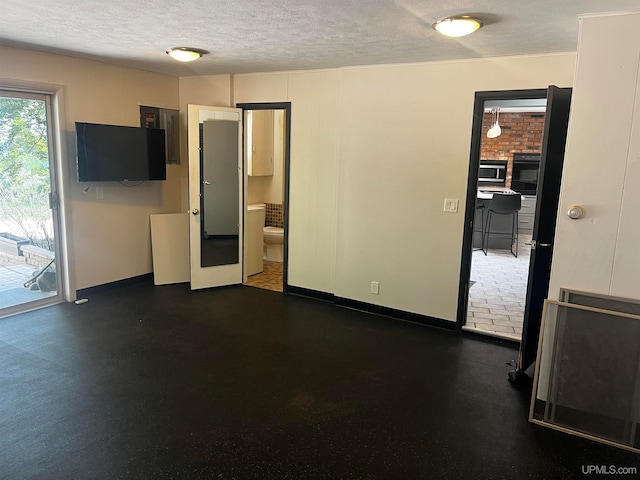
(110, 237)
(314, 158)
(598, 253)
(405, 140)
(375, 150)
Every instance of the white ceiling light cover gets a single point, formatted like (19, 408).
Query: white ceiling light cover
(185, 54)
(457, 26)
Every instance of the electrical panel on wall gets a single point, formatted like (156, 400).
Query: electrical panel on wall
(169, 120)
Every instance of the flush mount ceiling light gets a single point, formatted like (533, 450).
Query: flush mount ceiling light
(185, 54)
(457, 26)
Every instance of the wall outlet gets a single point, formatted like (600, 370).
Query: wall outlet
(375, 288)
(451, 205)
(99, 193)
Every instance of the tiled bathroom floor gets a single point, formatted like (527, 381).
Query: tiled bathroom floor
(270, 278)
(497, 298)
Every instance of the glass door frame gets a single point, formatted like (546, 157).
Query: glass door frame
(53, 99)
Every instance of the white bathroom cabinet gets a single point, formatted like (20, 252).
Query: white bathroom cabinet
(260, 148)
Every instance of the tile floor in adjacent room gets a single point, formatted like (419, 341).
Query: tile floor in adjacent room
(270, 278)
(497, 298)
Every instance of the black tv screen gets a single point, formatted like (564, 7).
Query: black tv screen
(117, 153)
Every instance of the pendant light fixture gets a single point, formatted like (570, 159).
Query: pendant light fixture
(457, 26)
(185, 54)
(495, 130)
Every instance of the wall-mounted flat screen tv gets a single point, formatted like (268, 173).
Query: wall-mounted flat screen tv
(108, 153)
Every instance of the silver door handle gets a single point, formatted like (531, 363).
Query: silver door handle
(207, 182)
(195, 211)
(535, 244)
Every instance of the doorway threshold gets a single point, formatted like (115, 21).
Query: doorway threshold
(269, 279)
(514, 337)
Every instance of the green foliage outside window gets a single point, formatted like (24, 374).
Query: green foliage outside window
(24, 171)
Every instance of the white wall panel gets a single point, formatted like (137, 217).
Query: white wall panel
(597, 252)
(375, 150)
(626, 267)
(313, 186)
(405, 135)
(314, 179)
(265, 87)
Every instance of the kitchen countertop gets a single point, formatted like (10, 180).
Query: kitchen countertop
(486, 193)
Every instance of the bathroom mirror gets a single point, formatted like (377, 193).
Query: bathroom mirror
(219, 193)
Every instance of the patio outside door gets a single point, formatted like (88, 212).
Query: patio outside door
(29, 277)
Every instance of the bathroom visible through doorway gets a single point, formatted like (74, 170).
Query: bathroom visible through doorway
(266, 148)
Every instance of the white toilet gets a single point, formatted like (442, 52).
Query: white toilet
(273, 238)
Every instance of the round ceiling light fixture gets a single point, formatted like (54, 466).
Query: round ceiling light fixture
(186, 54)
(457, 26)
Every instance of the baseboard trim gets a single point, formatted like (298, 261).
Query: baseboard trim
(307, 292)
(83, 292)
(396, 314)
(374, 309)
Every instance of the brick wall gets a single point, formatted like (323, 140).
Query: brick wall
(521, 133)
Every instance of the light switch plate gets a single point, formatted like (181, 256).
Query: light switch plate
(451, 205)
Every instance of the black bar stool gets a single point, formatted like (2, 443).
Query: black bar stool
(503, 204)
(480, 209)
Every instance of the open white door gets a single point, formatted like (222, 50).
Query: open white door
(216, 200)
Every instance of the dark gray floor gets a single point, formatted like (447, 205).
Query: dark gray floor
(148, 382)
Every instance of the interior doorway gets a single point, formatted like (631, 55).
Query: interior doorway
(516, 253)
(512, 135)
(266, 146)
(30, 266)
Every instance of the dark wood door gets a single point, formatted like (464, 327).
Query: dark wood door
(544, 227)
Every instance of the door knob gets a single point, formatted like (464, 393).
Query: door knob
(575, 212)
(195, 211)
(535, 244)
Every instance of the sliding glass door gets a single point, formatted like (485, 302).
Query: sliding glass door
(29, 276)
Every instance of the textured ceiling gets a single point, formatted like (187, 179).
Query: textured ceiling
(270, 35)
